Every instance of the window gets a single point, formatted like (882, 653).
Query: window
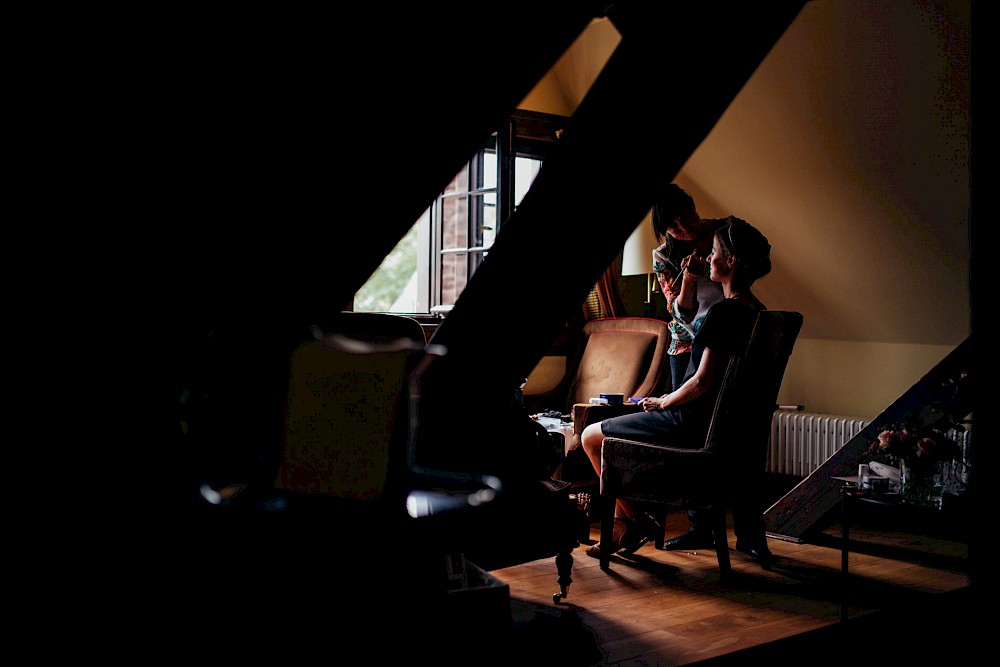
(466, 215)
(431, 265)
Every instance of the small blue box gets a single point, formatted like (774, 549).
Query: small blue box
(613, 399)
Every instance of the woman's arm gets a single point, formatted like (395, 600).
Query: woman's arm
(695, 388)
(685, 306)
(670, 285)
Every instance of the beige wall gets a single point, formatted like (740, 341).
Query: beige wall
(854, 379)
(849, 148)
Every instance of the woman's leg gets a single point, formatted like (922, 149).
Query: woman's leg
(591, 440)
(628, 515)
(627, 510)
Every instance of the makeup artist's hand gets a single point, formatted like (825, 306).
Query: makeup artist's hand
(693, 265)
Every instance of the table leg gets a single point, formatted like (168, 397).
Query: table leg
(844, 553)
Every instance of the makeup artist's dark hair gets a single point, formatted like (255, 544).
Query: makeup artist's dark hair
(670, 202)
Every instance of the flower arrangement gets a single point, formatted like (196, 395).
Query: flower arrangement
(926, 458)
(922, 447)
(919, 447)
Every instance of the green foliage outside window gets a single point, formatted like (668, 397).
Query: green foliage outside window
(387, 284)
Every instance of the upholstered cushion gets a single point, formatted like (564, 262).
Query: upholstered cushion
(613, 361)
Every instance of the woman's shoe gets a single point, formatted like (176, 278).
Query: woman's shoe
(623, 528)
(629, 537)
(649, 530)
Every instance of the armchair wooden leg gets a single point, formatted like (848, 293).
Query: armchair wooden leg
(607, 508)
(721, 541)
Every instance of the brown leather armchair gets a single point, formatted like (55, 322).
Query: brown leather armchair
(615, 354)
(626, 355)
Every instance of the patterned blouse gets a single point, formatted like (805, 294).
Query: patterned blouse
(684, 324)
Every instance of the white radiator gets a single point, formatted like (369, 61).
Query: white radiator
(802, 441)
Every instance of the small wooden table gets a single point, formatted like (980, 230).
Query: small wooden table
(850, 491)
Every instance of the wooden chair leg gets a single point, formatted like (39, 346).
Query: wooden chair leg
(607, 509)
(721, 540)
(661, 516)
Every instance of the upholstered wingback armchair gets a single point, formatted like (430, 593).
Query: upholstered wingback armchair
(626, 355)
(616, 354)
(728, 470)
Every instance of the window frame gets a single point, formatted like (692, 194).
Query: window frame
(525, 134)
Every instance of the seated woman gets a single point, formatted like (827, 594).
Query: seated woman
(740, 255)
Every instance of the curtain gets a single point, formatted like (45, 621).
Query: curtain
(605, 300)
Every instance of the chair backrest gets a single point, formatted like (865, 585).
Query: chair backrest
(346, 422)
(375, 327)
(626, 355)
(746, 402)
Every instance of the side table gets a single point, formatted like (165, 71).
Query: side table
(851, 492)
(905, 512)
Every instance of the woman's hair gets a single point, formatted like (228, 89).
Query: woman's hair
(753, 252)
(670, 202)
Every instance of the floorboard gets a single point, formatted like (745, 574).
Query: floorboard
(671, 608)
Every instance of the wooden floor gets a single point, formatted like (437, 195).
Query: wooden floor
(670, 608)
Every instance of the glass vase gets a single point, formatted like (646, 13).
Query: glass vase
(919, 485)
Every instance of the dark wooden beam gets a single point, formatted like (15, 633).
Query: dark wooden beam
(286, 152)
(652, 105)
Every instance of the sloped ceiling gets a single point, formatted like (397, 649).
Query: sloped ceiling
(850, 148)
